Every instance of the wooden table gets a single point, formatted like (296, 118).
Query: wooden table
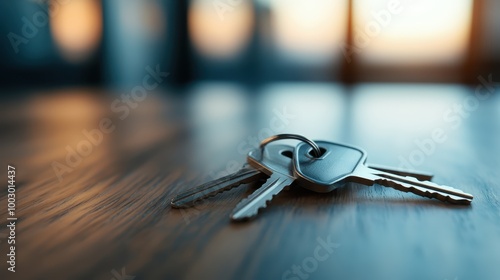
(94, 204)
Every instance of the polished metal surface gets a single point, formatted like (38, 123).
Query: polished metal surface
(275, 161)
(343, 163)
(314, 146)
(246, 174)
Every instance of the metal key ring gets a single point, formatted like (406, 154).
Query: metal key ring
(317, 151)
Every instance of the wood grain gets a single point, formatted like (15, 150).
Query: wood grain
(112, 211)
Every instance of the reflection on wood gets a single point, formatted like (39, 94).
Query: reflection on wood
(110, 212)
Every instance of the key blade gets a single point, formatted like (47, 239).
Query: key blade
(421, 175)
(422, 188)
(188, 198)
(426, 192)
(249, 207)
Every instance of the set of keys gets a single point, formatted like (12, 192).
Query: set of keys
(319, 166)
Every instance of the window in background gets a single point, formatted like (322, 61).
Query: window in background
(489, 51)
(136, 37)
(221, 33)
(412, 32)
(76, 27)
(57, 43)
(323, 40)
(220, 29)
(309, 32)
(301, 40)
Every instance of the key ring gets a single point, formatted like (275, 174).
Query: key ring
(317, 151)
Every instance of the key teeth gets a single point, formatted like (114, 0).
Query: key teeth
(254, 213)
(257, 209)
(193, 202)
(429, 193)
(249, 215)
(210, 189)
(439, 196)
(430, 182)
(447, 198)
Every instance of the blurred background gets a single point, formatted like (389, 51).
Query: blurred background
(109, 43)
(221, 69)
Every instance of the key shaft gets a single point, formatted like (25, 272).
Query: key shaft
(276, 161)
(413, 185)
(249, 207)
(421, 175)
(246, 174)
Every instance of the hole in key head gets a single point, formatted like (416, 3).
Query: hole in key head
(321, 149)
(287, 154)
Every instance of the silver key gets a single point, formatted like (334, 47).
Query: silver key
(340, 164)
(275, 161)
(246, 174)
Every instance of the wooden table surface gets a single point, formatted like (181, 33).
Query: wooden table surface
(94, 204)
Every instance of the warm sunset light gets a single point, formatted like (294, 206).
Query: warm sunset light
(425, 31)
(76, 27)
(220, 29)
(309, 31)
